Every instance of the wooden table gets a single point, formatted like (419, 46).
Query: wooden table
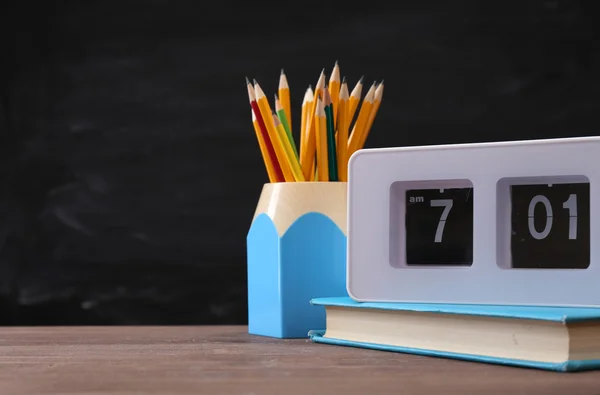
(225, 360)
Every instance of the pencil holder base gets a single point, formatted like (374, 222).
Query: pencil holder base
(296, 249)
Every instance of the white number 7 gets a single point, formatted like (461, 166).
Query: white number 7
(447, 205)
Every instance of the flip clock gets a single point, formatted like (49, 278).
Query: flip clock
(486, 223)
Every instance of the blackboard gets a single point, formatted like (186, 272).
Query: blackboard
(129, 166)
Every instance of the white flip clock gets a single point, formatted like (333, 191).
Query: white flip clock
(488, 223)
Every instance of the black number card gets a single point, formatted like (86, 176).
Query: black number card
(550, 226)
(439, 226)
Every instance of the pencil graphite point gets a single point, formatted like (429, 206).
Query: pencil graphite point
(321, 81)
(343, 79)
(247, 81)
(255, 81)
(381, 83)
(361, 79)
(323, 75)
(282, 72)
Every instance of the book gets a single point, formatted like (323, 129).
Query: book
(550, 338)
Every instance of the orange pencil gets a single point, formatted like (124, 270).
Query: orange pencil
(284, 97)
(306, 106)
(361, 121)
(263, 138)
(334, 90)
(321, 141)
(309, 153)
(377, 97)
(355, 98)
(267, 115)
(343, 126)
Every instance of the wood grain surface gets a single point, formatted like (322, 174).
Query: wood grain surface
(226, 360)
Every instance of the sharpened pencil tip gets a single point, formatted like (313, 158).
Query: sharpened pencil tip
(381, 83)
(336, 63)
(361, 79)
(247, 81)
(276, 98)
(282, 72)
(255, 81)
(343, 79)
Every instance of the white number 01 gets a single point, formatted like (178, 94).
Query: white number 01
(447, 205)
(570, 204)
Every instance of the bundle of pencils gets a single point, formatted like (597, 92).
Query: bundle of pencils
(332, 127)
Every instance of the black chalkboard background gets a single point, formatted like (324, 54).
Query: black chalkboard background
(128, 164)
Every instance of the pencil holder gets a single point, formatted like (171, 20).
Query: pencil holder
(296, 249)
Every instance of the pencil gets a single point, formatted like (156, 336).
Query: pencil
(361, 121)
(263, 149)
(286, 125)
(334, 90)
(355, 99)
(306, 105)
(331, 153)
(296, 170)
(266, 112)
(377, 97)
(284, 95)
(342, 142)
(308, 157)
(334, 123)
(269, 156)
(321, 140)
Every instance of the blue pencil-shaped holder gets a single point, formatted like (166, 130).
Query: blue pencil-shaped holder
(296, 249)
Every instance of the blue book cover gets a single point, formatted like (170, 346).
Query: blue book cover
(559, 315)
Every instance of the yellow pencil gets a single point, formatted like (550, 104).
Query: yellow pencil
(355, 99)
(306, 106)
(284, 97)
(266, 113)
(288, 149)
(376, 103)
(342, 143)
(263, 149)
(321, 141)
(361, 121)
(309, 153)
(334, 90)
